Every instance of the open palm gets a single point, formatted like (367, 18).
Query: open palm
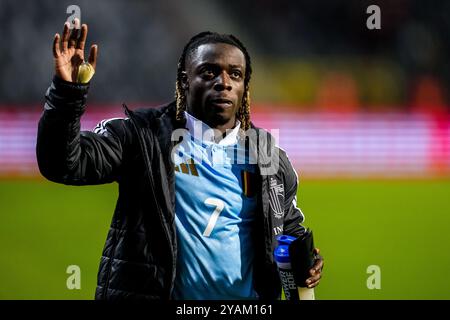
(69, 54)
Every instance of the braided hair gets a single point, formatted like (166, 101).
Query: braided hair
(243, 114)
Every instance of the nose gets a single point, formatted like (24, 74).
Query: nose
(223, 82)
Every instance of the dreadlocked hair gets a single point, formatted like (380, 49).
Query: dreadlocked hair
(243, 114)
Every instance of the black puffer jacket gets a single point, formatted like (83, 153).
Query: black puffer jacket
(139, 257)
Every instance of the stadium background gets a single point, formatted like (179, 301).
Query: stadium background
(363, 115)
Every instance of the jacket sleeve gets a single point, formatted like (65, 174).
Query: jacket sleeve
(293, 217)
(66, 155)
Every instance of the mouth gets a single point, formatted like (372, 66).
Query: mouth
(222, 102)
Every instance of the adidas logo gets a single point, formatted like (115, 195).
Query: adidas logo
(187, 168)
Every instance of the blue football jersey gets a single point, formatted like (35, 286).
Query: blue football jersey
(215, 208)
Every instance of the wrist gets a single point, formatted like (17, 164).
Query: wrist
(69, 86)
(66, 97)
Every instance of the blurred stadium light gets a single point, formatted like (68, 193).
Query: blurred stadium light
(348, 102)
(320, 144)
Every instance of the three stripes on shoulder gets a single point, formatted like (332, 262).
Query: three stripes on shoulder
(187, 168)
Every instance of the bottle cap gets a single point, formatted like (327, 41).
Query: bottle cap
(281, 252)
(286, 240)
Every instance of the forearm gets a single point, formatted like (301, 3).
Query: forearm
(58, 142)
(293, 224)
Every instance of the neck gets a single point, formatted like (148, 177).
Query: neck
(223, 127)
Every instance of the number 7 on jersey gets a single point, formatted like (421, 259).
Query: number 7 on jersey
(212, 221)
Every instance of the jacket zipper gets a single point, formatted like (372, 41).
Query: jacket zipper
(266, 213)
(143, 148)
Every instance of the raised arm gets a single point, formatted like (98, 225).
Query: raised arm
(65, 154)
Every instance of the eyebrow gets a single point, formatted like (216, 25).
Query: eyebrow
(239, 66)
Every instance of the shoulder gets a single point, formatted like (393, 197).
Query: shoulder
(285, 167)
(268, 139)
(273, 154)
(142, 116)
(148, 115)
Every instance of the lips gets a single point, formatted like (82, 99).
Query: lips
(222, 102)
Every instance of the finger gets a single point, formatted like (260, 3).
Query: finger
(93, 55)
(83, 36)
(313, 284)
(318, 266)
(74, 34)
(315, 278)
(312, 280)
(56, 50)
(65, 36)
(317, 269)
(316, 250)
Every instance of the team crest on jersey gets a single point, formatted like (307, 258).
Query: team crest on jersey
(276, 199)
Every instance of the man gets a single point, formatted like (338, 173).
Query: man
(184, 227)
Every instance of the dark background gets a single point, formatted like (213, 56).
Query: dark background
(140, 42)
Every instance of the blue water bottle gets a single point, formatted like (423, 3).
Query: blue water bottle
(283, 260)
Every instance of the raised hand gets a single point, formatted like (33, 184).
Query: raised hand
(68, 52)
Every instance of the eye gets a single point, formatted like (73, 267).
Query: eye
(207, 73)
(236, 74)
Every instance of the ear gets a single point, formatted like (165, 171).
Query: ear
(184, 80)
